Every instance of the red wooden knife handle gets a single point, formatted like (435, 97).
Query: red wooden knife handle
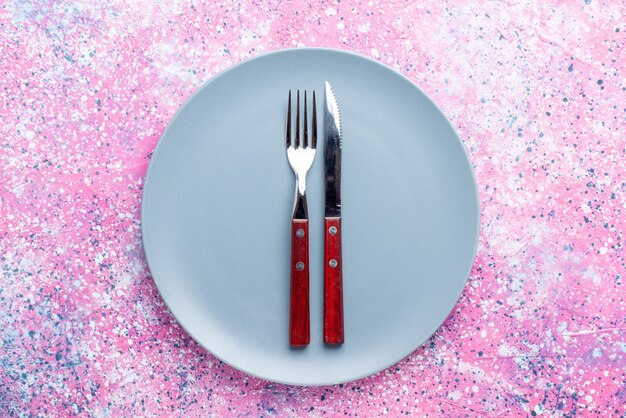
(299, 332)
(333, 282)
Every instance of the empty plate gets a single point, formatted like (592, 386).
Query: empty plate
(216, 217)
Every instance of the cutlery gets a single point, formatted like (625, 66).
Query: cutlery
(333, 280)
(300, 153)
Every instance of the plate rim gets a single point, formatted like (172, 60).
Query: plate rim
(290, 50)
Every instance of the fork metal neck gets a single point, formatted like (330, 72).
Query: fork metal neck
(300, 204)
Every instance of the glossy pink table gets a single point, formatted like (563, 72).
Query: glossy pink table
(537, 93)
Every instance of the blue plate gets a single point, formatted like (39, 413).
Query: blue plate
(217, 207)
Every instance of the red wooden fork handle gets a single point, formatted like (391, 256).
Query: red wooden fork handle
(299, 329)
(333, 282)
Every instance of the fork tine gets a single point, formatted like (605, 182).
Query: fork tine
(288, 134)
(305, 136)
(314, 125)
(298, 120)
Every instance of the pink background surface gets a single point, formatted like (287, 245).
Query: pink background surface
(537, 93)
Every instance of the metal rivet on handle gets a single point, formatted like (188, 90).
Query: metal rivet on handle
(300, 233)
(332, 230)
(332, 263)
(299, 266)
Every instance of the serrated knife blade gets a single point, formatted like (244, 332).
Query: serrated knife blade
(332, 154)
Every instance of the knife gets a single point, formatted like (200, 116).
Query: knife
(333, 263)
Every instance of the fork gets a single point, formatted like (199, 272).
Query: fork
(300, 153)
